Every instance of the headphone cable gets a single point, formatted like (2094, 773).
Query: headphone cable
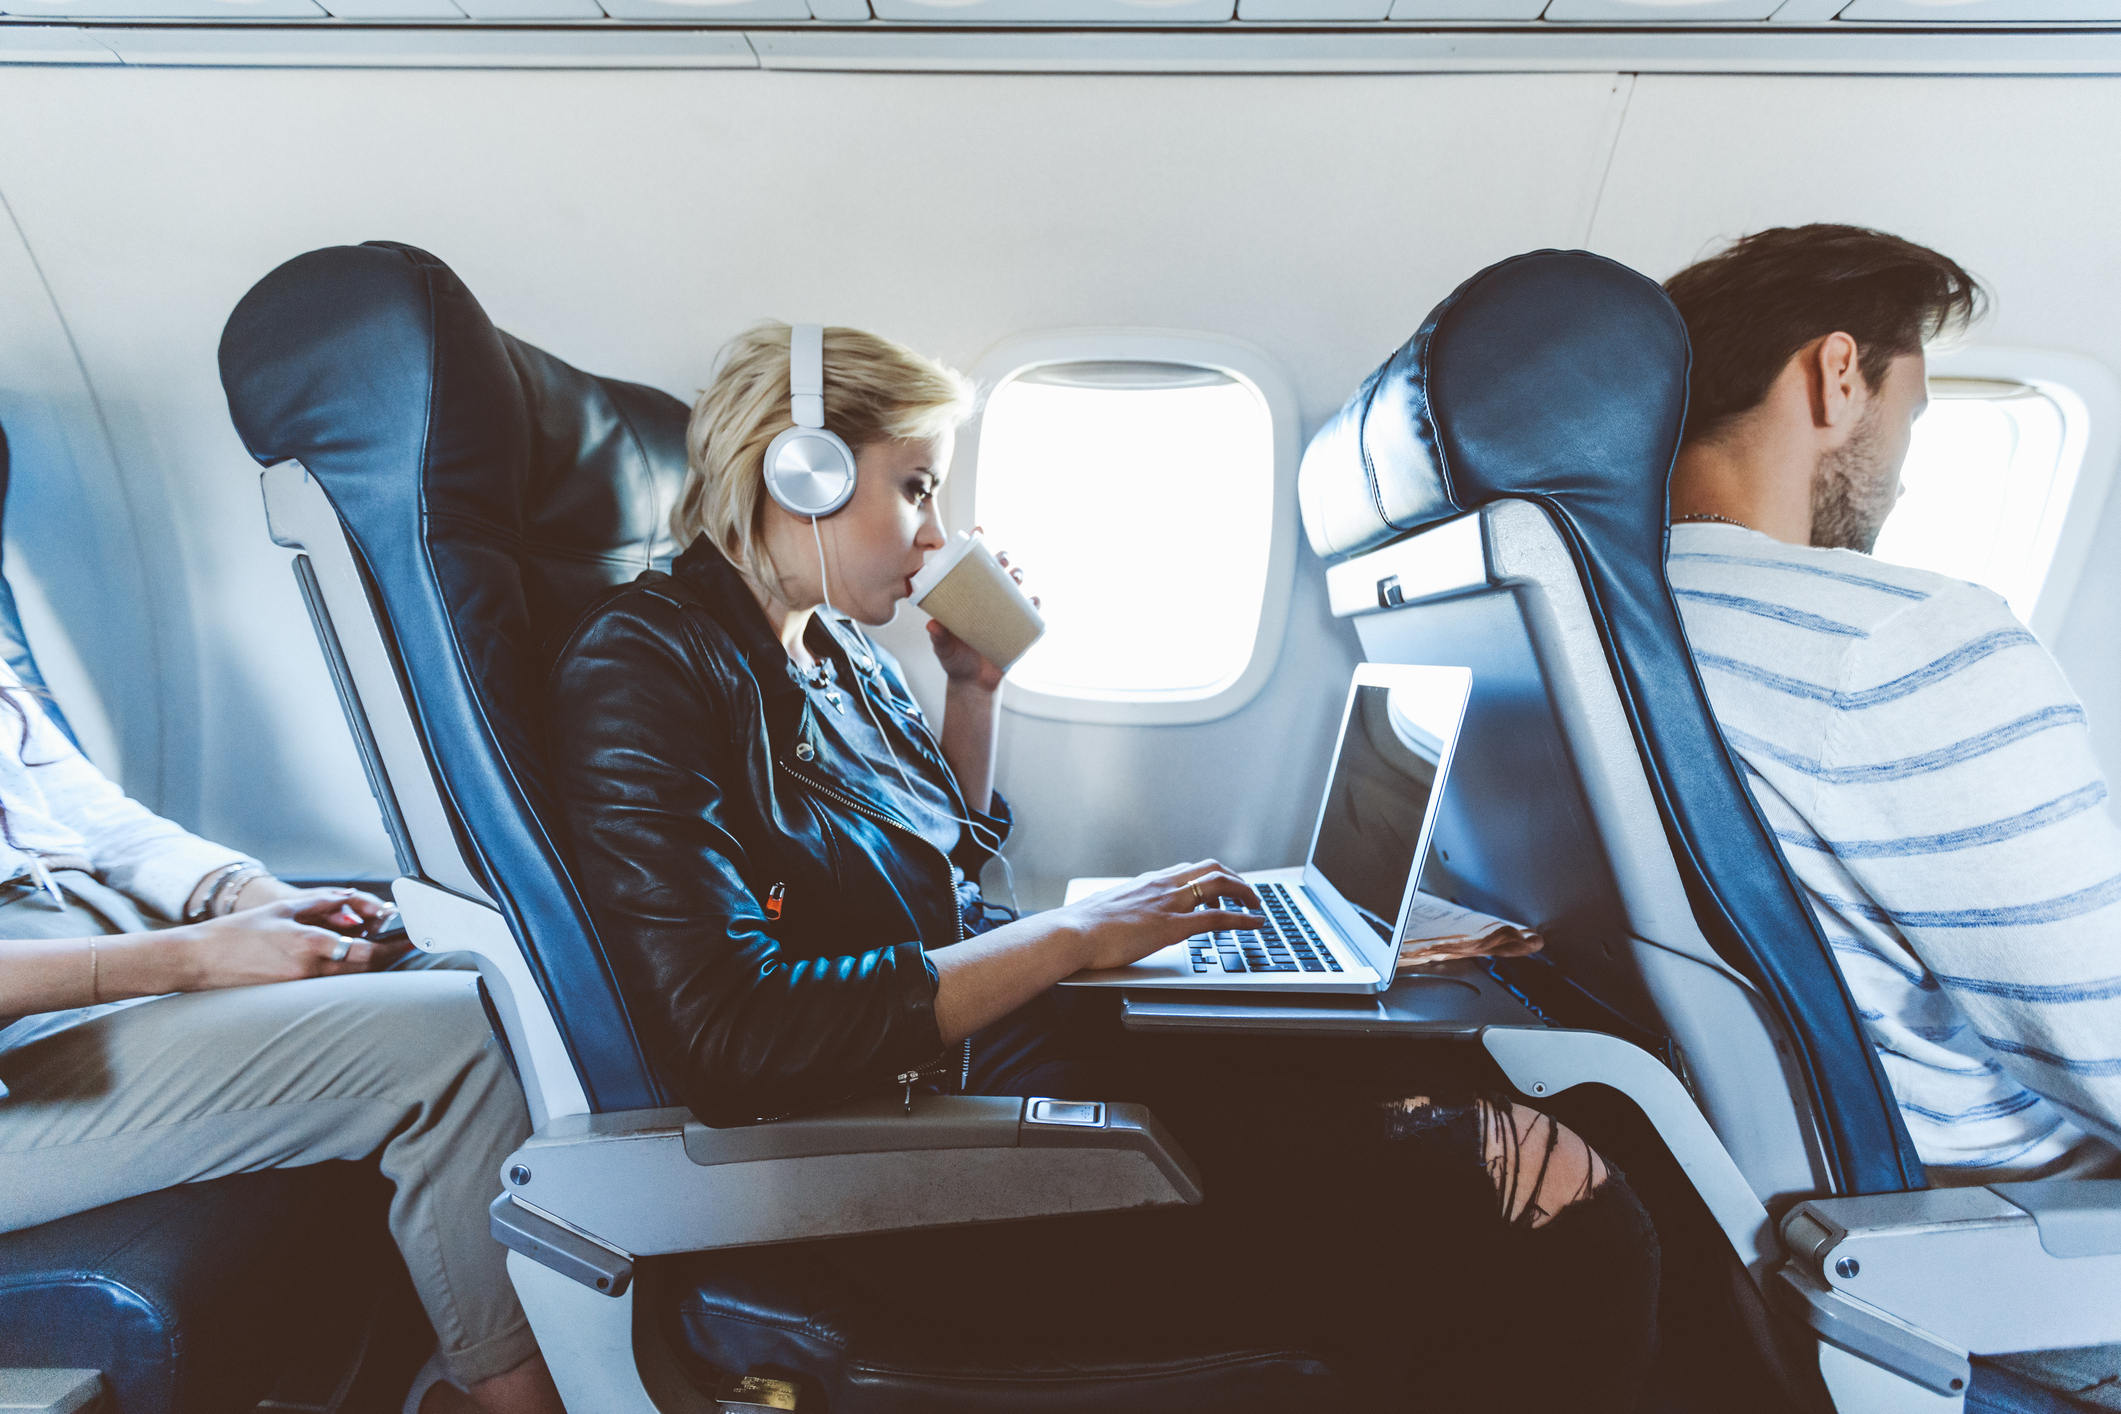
(982, 835)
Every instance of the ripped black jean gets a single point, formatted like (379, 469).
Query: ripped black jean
(1336, 1220)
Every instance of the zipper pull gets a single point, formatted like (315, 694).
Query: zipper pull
(774, 896)
(907, 1080)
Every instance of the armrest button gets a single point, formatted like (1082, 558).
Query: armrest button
(1087, 1113)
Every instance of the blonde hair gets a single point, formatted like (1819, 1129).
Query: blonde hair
(875, 391)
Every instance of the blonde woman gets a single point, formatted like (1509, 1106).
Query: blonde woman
(782, 855)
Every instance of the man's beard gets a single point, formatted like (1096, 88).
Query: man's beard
(1853, 491)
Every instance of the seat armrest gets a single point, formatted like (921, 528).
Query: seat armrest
(646, 1182)
(1972, 1270)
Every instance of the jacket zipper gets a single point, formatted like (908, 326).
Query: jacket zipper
(964, 1074)
(935, 751)
(957, 913)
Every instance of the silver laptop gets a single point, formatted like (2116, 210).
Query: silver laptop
(1333, 923)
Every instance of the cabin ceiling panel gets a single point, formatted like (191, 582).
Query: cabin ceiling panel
(51, 44)
(632, 222)
(2000, 174)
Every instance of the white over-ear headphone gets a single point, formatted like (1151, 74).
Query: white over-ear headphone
(809, 470)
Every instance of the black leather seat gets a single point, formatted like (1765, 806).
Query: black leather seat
(490, 490)
(198, 1299)
(774, 1309)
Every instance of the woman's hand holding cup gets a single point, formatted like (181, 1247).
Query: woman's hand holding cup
(988, 609)
(962, 663)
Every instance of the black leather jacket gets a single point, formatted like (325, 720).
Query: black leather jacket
(694, 780)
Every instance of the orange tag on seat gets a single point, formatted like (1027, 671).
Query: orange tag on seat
(773, 900)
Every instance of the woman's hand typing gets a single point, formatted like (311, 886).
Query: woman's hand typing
(1126, 923)
(983, 979)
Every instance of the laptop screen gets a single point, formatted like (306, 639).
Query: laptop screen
(1395, 743)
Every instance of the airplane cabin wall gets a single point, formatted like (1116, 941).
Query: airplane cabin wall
(629, 222)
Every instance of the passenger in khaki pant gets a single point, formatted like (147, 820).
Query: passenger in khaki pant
(136, 1055)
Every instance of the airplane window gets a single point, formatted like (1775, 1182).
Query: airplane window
(1985, 486)
(1140, 496)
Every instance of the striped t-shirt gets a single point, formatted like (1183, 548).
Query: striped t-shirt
(1929, 773)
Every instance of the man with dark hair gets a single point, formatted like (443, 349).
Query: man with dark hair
(1780, 322)
(1917, 752)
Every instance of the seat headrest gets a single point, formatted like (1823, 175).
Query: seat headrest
(1554, 373)
(569, 476)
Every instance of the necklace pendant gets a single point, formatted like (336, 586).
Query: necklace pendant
(834, 698)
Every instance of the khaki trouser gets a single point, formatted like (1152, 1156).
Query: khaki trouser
(398, 1067)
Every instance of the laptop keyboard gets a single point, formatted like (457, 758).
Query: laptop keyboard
(1286, 944)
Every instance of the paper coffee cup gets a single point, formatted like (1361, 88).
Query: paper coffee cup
(966, 589)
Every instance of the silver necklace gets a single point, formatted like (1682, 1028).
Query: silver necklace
(1705, 515)
(821, 677)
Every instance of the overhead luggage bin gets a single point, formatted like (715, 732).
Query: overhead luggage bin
(1985, 11)
(532, 9)
(1466, 9)
(395, 10)
(707, 10)
(166, 9)
(1158, 12)
(1304, 11)
(1660, 11)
